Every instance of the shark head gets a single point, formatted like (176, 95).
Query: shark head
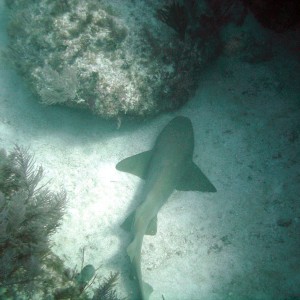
(178, 133)
(181, 124)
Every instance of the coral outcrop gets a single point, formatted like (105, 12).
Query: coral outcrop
(114, 58)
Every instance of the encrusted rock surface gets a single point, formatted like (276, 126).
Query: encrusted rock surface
(114, 58)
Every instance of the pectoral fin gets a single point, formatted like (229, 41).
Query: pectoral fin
(195, 180)
(136, 164)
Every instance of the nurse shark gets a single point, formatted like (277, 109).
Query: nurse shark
(167, 167)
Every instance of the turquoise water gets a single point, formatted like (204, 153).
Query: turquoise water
(241, 242)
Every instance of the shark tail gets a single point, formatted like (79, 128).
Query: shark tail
(133, 251)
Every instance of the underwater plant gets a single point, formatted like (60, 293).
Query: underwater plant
(106, 289)
(76, 284)
(29, 214)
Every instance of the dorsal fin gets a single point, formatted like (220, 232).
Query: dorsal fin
(136, 164)
(129, 221)
(152, 227)
(194, 180)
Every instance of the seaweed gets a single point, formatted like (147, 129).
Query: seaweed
(29, 214)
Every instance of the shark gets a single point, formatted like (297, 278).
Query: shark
(167, 167)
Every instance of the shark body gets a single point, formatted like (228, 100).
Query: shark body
(168, 166)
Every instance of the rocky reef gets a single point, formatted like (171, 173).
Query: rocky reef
(114, 58)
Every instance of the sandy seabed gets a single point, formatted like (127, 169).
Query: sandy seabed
(239, 243)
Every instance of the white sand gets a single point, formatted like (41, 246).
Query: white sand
(225, 245)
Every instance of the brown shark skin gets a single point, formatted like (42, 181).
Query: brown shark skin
(171, 158)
